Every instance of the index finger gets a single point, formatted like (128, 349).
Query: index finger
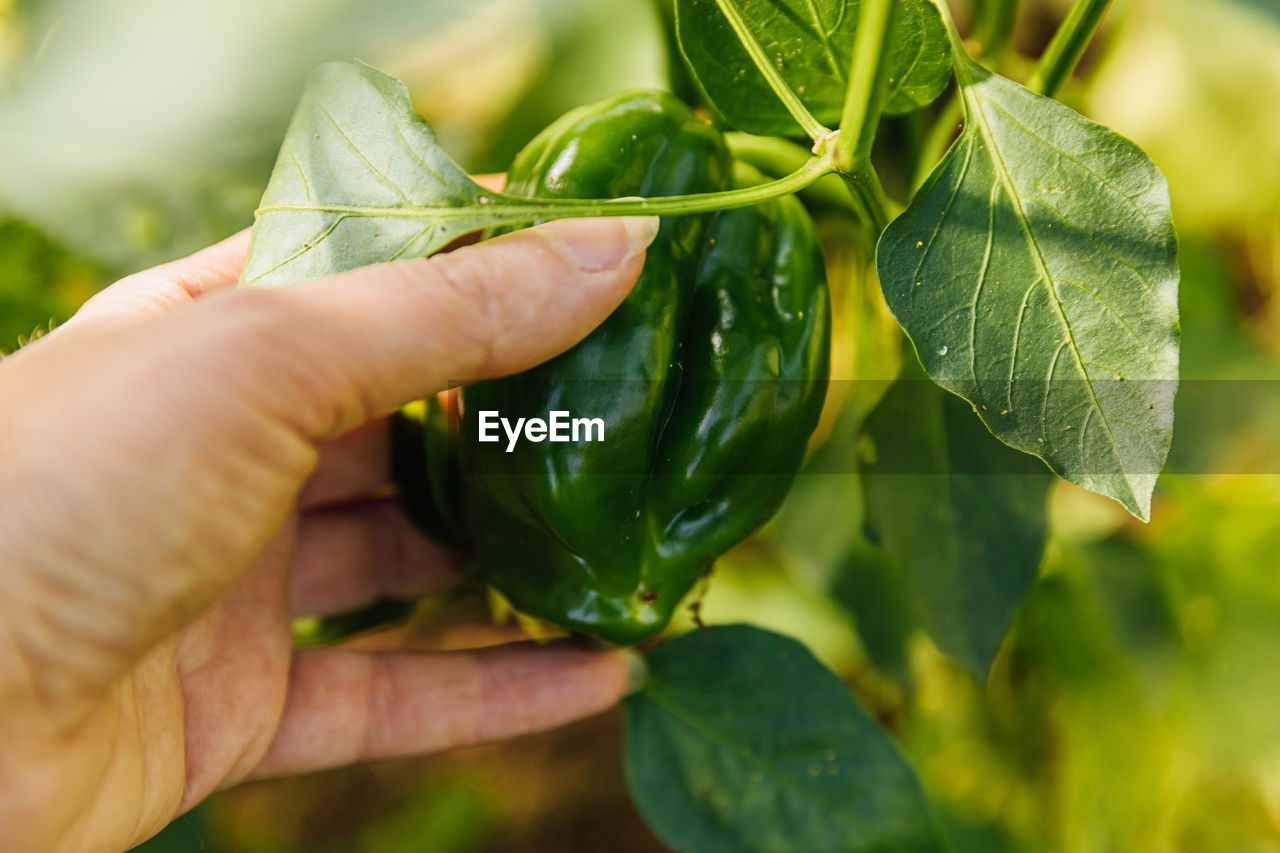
(330, 354)
(167, 286)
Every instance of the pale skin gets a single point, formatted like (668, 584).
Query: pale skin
(186, 466)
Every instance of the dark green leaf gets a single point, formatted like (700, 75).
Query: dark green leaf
(870, 587)
(811, 45)
(742, 741)
(359, 180)
(964, 835)
(961, 515)
(919, 59)
(1036, 273)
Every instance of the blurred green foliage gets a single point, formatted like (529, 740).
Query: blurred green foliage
(1133, 707)
(41, 283)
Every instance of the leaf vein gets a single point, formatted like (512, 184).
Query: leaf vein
(1100, 178)
(1101, 248)
(1017, 340)
(824, 38)
(306, 247)
(1048, 387)
(982, 282)
(306, 185)
(955, 191)
(751, 760)
(351, 144)
(412, 240)
(1112, 311)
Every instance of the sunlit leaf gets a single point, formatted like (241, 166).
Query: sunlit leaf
(1036, 274)
(359, 180)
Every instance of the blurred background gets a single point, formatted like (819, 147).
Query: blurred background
(1134, 705)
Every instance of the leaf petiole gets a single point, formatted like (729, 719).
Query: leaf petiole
(774, 155)
(507, 209)
(864, 97)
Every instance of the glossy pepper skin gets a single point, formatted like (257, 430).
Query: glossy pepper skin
(709, 379)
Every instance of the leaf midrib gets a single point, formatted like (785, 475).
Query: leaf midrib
(973, 106)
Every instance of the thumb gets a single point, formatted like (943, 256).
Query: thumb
(340, 350)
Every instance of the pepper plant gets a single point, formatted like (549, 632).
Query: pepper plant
(1033, 270)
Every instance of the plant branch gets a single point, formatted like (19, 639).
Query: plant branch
(996, 26)
(864, 98)
(814, 128)
(502, 208)
(869, 196)
(1068, 45)
(774, 155)
(858, 192)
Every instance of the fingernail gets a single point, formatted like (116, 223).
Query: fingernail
(637, 671)
(602, 244)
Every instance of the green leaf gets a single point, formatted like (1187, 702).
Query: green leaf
(919, 61)
(1036, 273)
(869, 586)
(361, 180)
(961, 515)
(358, 178)
(811, 45)
(742, 741)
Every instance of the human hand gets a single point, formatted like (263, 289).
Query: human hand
(186, 466)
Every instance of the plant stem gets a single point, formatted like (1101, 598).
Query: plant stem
(510, 209)
(864, 97)
(1068, 45)
(858, 192)
(777, 156)
(869, 196)
(996, 26)
(814, 128)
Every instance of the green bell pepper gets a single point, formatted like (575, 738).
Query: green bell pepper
(708, 379)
